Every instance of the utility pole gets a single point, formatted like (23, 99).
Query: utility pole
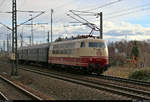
(51, 24)
(48, 37)
(30, 39)
(10, 42)
(14, 39)
(101, 25)
(21, 36)
(4, 45)
(7, 43)
(32, 30)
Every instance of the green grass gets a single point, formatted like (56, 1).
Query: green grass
(141, 74)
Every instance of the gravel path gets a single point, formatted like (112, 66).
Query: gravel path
(58, 89)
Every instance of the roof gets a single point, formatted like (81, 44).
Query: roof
(35, 46)
(76, 40)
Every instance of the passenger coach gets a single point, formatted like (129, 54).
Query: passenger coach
(36, 53)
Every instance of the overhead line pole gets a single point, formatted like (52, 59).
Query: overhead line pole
(4, 45)
(7, 43)
(14, 39)
(32, 30)
(22, 37)
(48, 37)
(101, 25)
(51, 25)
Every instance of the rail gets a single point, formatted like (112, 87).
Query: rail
(132, 81)
(129, 92)
(20, 88)
(125, 91)
(3, 97)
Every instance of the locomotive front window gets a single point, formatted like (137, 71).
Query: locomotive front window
(97, 44)
(82, 44)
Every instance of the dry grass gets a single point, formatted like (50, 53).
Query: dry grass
(122, 72)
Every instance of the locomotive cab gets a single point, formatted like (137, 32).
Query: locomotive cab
(95, 53)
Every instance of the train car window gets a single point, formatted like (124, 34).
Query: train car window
(82, 44)
(57, 51)
(72, 51)
(67, 46)
(97, 44)
(60, 52)
(69, 51)
(65, 51)
(53, 51)
(63, 46)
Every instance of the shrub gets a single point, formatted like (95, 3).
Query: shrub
(141, 74)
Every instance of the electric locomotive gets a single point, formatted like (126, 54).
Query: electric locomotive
(90, 54)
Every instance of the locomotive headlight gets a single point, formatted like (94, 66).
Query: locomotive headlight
(91, 59)
(99, 52)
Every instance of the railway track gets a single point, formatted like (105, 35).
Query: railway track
(18, 88)
(3, 97)
(134, 93)
(120, 90)
(112, 78)
(132, 81)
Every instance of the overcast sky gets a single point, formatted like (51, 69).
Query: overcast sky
(123, 19)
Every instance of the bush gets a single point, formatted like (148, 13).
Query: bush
(142, 74)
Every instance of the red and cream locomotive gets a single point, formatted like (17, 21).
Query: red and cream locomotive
(88, 53)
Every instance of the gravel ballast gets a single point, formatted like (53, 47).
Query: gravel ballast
(11, 92)
(58, 89)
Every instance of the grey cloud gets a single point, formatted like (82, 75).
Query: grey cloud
(122, 33)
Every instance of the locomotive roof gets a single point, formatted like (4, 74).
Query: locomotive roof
(76, 40)
(35, 46)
